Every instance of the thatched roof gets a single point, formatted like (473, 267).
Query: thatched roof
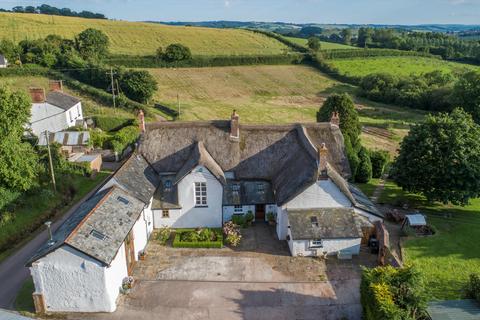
(286, 155)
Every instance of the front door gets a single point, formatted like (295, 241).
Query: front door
(130, 253)
(260, 212)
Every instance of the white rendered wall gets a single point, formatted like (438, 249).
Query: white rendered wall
(229, 211)
(114, 276)
(71, 282)
(149, 219)
(322, 194)
(282, 223)
(331, 246)
(140, 234)
(190, 216)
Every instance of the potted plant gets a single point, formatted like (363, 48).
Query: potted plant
(272, 218)
(127, 284)
(249, 218)
(142, 255)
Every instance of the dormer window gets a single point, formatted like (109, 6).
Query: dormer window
(168, 184)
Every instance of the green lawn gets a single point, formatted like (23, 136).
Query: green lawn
(323, 44)
(36, 207)
(451, 255)
(397, 65)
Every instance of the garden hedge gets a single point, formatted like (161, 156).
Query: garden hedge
(107, 123)
(177, 243)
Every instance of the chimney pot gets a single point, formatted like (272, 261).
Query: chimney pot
(335, 119)
(38, 95)
(235, 125)
(322, 161)
(141, 121)
(56, 85)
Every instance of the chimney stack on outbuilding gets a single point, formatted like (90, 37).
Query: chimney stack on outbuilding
(322, 162)
(235, 125)
(335, 119)
(56, 85)
(38, 95)
(141, 121)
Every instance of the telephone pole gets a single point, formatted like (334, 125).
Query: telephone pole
(111, 73)
(178, 106)
(50, 161)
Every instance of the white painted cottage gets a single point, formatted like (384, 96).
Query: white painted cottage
(3, 61)
(200, 174)
(54, 111)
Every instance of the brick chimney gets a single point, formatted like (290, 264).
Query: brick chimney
(235, 125)
(56, 85)
(335, 119)
(322, 162)
(141, 121)
(38, 95)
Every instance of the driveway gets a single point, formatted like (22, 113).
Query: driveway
(258, 280)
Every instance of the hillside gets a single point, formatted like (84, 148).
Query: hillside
(137, 38)
(324, 45)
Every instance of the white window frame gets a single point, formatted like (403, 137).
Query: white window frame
(165, 213)
(200, 197)
(238, 209)
(317, 243)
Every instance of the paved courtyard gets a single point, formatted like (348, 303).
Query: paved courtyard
(257, 280)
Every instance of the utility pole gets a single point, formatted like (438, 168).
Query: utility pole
(111, 73)
(50, 161)
(178, 106)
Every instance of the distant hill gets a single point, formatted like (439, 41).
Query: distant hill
(140, 38)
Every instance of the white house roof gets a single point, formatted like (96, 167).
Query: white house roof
(416, 219)
(66, 138)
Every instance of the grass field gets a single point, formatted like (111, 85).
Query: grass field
(450, 256)
(136, 38)
(272, 94)
(397, 65)
(324, 45)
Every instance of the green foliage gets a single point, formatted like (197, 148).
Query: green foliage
(10, 50)
(232, 233)
(347, 36)
(293, 45)
(313, 43)
(164, 234)
(138, 85)
(473, 287)
(18, 161)
(366, 53)
(249, 217)
(466, 94)
(198, 238)
(364, 170)
(107, 123)
(177, 52)
(379, 160)
(440, 159)
(92, 44)
(124, 138)
(390, 293)
(352, 156)
(239, 219)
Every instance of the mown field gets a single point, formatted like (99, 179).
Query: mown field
(273, 94)
(446, 259)
(324, 45)
(397, 65)
(136, 38)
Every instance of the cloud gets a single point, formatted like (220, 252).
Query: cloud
(227, 3)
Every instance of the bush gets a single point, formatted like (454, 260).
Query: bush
(108, 123)
(363, 53)
(473, 287)
(239, 219)
(177, 52)
(364, 171)
(379, 160)
(124, 138)
(138, 85)
(249, 217)
(232, 233)
(198, 238)
(163, 234)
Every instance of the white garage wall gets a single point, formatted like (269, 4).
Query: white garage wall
(71, 281)
(322, 194)
(114, 276)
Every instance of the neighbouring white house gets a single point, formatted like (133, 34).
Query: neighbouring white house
(54, 111)
(201, 174)
(3, 61)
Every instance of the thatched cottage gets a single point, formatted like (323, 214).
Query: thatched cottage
(200, 174)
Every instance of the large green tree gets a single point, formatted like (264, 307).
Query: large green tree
(92, 44)
(314, 43)
(177, 52)
(466, 94)
(18, 160)
(440, 159)
(138, 85)
(347, 36)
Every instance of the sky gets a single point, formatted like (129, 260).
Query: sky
(297, 11)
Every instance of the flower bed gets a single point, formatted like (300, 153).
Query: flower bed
(198, 238)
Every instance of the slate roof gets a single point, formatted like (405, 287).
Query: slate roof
(247, 193)
(166, 195)
(137, 177)
(66, 138)
(61, 100)
(331, 223)
(283, 154)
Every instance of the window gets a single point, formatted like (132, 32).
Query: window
(260, 187)
(235, 187)
(200, 194)
(165, 214)
(98, 235)
(123, 200)
(168, 184)
(318, 243)
(238, 209)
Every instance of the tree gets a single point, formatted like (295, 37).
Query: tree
(177, 52)
(347, 36)
(440, 159)
(314, 43)
(18, 161)
(92, 44)
(138, 85)
(364, 170)
(364, 37)
(10, 50)
(379, 160)
(466, 94)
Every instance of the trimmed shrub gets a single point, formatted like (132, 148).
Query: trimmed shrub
(198, 238)
(364, 171)
(379, 160)
(363, 53)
